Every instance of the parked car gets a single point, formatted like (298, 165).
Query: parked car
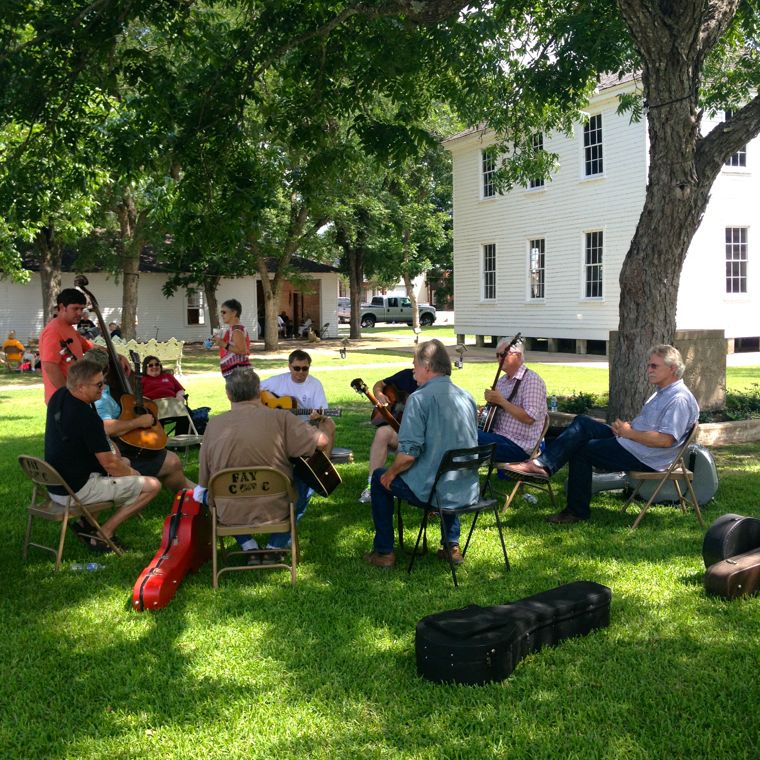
(395, 309)
(344, 309)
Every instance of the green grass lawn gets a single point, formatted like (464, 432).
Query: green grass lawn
(326, 668)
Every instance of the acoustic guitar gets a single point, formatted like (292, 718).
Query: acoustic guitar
(487, 413)
(384, 411)
(154, 437)
(318, 472)
(273, 401)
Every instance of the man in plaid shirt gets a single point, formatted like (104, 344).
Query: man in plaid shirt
(520, 395)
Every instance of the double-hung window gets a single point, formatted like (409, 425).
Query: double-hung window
(538, 145)
(740, 157)
(593, 264)
(536, 264)
(736, 259)
(195, 312)
(488, 170)
(489, 272)
(593, 160)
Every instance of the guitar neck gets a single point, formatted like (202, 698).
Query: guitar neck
(323, 412)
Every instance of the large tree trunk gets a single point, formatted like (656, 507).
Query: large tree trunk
(131, 247)
(682, 168)
(354, 253)
(210, 285)
(50, 254)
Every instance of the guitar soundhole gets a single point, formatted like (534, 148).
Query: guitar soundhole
(140, 410)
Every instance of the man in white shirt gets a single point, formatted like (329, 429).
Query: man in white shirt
(306, 390)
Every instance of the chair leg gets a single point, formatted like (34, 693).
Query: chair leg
(61, 540)
(649, 503)
(501, 538)
(214, 558)
(551, 494)
(27, 537)
(423, 527)
(695, 502)
(469, 534)
(511, 496)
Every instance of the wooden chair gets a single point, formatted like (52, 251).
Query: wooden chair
(251, 484)
(677, 473)
(42, 506)
(172, 408)
(544, 486)
(454, 462)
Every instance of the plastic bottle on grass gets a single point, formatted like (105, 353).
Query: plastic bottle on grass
(530, 498)
(89, 566)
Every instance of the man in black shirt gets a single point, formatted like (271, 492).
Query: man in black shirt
(77, 446)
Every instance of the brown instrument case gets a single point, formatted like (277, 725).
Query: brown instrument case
(735, 576)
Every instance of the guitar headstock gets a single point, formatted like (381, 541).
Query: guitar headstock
(359, 385)
(135, 357)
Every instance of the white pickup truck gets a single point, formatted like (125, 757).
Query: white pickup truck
(394, 309)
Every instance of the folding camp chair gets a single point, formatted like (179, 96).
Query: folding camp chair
(251, 483)
(42, 506)
(172, 408)
(677, 473)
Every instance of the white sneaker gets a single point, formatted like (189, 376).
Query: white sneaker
(366, 497)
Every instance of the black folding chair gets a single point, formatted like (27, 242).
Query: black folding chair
(460, 461)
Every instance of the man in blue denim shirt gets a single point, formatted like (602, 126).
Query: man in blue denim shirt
(648, 443)
(439, 416)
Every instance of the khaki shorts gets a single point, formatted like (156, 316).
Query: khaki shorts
(121, 491)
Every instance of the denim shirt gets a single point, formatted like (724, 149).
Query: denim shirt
(107, 406)
(439, 416)
(672, 410)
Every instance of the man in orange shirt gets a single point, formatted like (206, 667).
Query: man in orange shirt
(60, 343)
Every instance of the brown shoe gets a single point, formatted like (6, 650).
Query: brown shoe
(564, 518)
(385, 561)
(528, 468)
(456, 554)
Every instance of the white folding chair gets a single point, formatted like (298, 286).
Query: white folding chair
(176, 408)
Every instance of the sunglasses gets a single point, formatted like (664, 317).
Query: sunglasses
(299, 369)
(655, 366)
(97, 385)
(153, 364)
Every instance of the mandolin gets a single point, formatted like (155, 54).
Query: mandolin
(384, 410)
(487, 413)
(154, 437)
(273, 401)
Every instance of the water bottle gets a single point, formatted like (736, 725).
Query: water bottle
(553, 404)
(530, 498)
(90, 567)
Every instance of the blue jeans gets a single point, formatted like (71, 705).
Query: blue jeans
(282, 540)
(586, 444)
(506, 450)
(382, 512)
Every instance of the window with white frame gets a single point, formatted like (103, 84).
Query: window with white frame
(195, 312)
(736, 259)
(740, 157)
(489, 272)
(536, 261)
(593, 264)
(488, 170)
(592, 146)
(538, 145)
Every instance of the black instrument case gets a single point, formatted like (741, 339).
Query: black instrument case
(476, 645)
(728, 536)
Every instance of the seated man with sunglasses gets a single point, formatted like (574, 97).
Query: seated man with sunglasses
(520, 398)
(77, 446)
(306, 390)
(648, 443)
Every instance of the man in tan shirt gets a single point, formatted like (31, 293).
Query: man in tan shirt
(251, 434)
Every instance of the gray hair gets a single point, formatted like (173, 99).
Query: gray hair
(518, 348)
(242, 384)
(82, 372)
(671, 356)
(432, 355)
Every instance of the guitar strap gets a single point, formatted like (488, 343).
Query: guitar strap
(515, 389)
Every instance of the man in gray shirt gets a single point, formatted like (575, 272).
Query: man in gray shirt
(648, 443)
(437, 417)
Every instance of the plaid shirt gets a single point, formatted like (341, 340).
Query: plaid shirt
(531, 396)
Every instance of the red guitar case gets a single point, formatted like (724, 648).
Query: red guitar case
(185, 547)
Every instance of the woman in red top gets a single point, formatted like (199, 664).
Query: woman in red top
(235, 344)
(159, 384)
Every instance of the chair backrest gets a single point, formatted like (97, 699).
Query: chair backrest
(461, 460)
(175, 407)
(42, 474)
(537, 448)
(250, 483)
(690, 438)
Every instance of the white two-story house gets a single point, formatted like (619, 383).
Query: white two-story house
(544, 260)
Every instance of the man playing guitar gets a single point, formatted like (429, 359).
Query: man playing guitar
(299, 384)
(386, 438)
(520, 395)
